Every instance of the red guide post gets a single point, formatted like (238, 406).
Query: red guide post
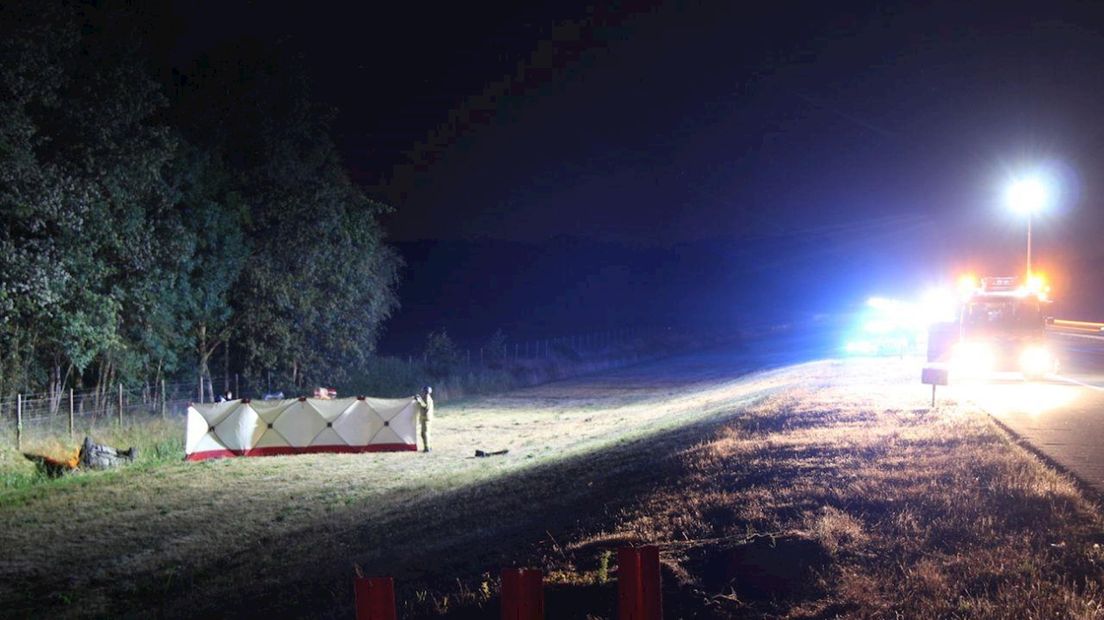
(375, 598)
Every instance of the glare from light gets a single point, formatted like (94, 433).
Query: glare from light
(882, 303)
(1037, 284)
(879, 326)
(889, 326)
(937, 306)
(1036, 361)
(861, 347)
(1028, 195)
(973, 359)
(1011, 398)
(967, 285)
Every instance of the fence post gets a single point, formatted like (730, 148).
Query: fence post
(120, 405)
(163, 397)
(19, 422)
(70, 414)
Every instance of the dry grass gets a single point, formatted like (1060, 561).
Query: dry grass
(922, 513)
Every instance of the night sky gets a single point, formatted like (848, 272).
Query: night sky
(877, 137)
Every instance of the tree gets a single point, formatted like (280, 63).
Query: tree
(138, 237)
(441, 353)
(125, 242)
(214, 214)
(495, 349)
(92, 247)
(318, 280)
(34, 44)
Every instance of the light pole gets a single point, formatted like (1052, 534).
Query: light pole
(1027, 196)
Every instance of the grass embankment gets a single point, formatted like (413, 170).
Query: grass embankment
(875, 506)
(455, 377)
(384, 376)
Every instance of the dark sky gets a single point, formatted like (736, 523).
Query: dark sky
(893, 123)
(687, 120)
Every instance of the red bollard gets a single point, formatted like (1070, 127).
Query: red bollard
(628, 584)
(522, 594)
(532, 583)
(651, 593)
(639, 596)
(375, 598)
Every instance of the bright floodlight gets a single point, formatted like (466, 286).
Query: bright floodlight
(1027, 195)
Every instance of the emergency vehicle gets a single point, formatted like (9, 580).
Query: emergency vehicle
(1001, 326)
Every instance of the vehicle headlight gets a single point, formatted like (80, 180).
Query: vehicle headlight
(1036, 360)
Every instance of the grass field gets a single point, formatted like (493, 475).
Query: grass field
(832, 481)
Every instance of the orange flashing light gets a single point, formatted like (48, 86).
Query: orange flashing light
(967, 285)
(1037, 285)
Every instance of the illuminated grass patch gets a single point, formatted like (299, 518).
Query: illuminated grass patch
(879, 505)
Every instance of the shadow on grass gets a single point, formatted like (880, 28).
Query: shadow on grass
(455, 541)
(428, 546)
(464, 537)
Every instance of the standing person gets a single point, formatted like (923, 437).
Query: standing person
(425, 413)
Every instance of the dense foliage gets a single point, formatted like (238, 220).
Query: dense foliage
(151, 221)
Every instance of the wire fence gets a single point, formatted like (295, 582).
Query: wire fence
(580, 344)
(73, 412)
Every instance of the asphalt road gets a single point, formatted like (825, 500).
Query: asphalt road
(1063, 417)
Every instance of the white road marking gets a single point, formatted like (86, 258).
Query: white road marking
(1096, 337)
(1072, 380)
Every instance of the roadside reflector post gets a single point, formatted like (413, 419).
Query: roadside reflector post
(639, 594)
(375, 598)
(522, 594)
(933, 376)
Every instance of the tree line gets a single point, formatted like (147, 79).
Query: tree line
(152, 217)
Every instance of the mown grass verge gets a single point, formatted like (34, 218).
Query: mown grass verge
(160, 440)
(834, 478)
